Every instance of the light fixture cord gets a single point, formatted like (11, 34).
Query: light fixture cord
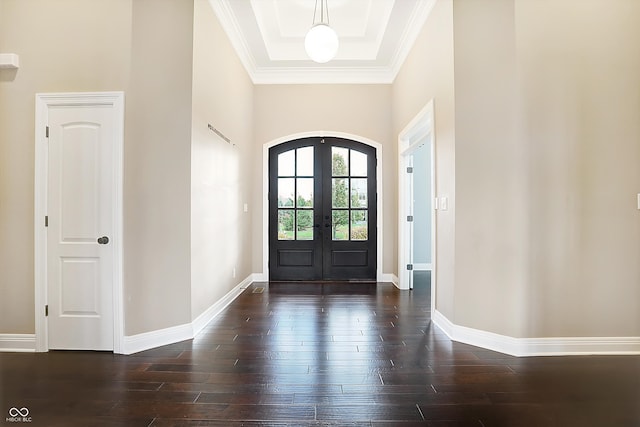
(315, 9)
(326, 6)
(323, 6)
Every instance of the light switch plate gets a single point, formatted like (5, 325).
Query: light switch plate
(444, 203)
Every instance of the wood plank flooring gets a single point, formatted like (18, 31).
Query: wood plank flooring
(321, 355)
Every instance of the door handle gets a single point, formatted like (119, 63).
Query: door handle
(103, 240)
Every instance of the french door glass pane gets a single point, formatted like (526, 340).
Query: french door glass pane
(304, 198)
(339, 193)
(287, 163)
(358, 163)
(295, 193)
(304, 162)
(285, 224)
(359, 225)
(339, 161)
(349, 197)
(285, 192)
(304, 225)
(340, 225)
(358, 192)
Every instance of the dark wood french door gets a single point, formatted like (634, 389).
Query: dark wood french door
(322, 210)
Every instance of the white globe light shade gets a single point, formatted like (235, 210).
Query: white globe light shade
(321, 43)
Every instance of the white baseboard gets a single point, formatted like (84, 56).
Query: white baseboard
(581, 346)
(524, 347)
(476, 337)
(259, 277)
(209, 314)
(390, 277)
(148, 340)
(18, 342)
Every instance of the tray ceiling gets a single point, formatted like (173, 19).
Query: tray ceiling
(375, 38)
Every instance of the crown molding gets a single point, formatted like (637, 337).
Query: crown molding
(230, 25)
(410, 34)
(336, 75)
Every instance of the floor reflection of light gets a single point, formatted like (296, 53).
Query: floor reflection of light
(325, 338)
(349, 329)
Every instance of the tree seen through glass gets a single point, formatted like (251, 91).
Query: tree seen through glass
(347, 195)
(349, 198)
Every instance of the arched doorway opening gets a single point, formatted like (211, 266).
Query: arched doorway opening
(322, 212)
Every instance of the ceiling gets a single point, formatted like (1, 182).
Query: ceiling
(375, 38)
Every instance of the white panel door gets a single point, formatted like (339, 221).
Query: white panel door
(80, 224)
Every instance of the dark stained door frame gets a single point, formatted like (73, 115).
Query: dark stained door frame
(328, 238)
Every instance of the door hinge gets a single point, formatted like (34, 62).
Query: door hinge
(46, 310)
(409, 218)
(47, 132)
(409, 168)
(46, 221)
(409, 267)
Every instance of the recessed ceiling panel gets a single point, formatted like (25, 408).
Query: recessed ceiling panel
(375, 36)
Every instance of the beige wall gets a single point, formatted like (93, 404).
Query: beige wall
(58, 53)
(157, 193)
(221, 173)
(579, 89)
(542, 238)
(363, 110)
(547, 230)
(427, 74)
(491, 218)
(144, 49)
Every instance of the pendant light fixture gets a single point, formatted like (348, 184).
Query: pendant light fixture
(321, 42)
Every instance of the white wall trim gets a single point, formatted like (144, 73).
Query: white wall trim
(324, 75)
(209, 314)
(260, 277)
(265, 191)
(231, 27)
(18, 342)
(421, 127)
(476, 337)
(157, 338)
(550, 346)
(390, 278)
(174, 334)
(581, 346)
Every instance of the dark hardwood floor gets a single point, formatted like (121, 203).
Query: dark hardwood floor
(321, 355)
